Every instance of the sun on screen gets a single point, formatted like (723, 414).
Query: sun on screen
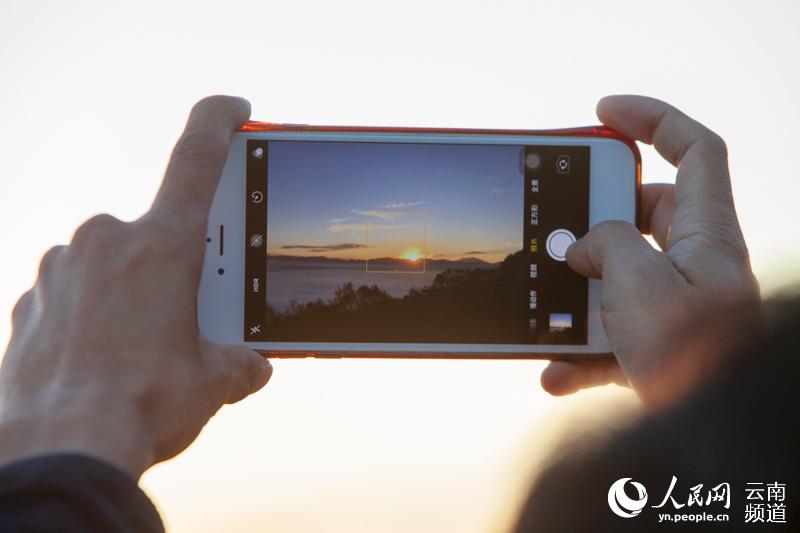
(411, 254)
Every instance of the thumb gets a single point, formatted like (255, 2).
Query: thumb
(560, 378)
(248, 371)
(614, 250)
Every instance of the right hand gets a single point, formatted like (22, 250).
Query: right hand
(647, 294)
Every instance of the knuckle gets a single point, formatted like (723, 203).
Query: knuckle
(100, 229)
(21, 307)
(714, 144)
(143, 249)
(196, 147)
(50, 259)
(641, 265)
(161, 236)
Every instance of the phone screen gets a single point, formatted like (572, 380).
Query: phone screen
(385, 242)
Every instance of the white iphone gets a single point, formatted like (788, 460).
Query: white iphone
(331, 241)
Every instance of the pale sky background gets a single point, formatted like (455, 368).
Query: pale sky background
(94, 94)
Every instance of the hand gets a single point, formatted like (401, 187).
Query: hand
(649, 295)
(105, 358)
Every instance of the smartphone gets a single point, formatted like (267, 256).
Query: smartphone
(330, 241)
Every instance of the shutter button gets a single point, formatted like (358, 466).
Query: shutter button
(558, 242)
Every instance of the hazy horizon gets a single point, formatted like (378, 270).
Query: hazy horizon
(452, 259)
(300, 279)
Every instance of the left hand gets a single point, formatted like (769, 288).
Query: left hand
(105, 358)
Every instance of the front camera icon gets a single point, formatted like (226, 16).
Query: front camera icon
(562, 164)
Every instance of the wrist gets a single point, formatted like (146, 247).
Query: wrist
(110, 431)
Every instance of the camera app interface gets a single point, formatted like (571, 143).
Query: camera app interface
(373, 242)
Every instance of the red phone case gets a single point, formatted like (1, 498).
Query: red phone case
(584, 131)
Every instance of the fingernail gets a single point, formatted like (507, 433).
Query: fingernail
(266, 373)
(245, 102)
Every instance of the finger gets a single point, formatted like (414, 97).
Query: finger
(197, 160)
(612, 250)
(702, 186)
(50, 259)
(22, 308)
(248, 371)
(658, 208)
(655, 122)
(560, 378)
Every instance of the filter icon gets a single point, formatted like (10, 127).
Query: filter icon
(256, 240)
